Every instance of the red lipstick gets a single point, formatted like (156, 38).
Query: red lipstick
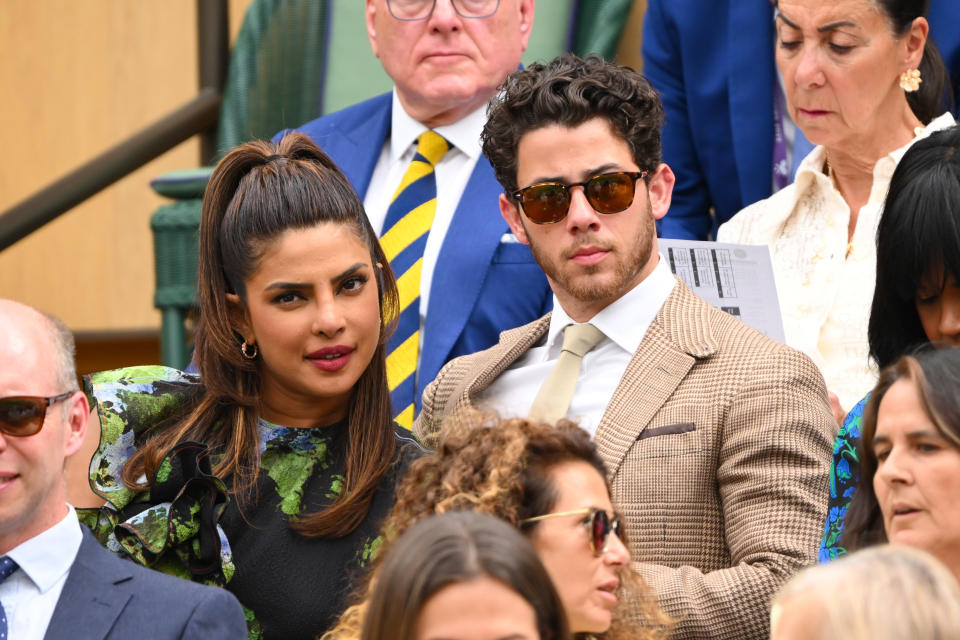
(331, 358)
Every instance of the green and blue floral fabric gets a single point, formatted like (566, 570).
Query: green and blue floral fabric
(844, 476)
(188, 523)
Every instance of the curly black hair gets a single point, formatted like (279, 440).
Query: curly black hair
(569, 91)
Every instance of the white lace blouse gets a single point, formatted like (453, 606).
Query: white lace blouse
(824, 284)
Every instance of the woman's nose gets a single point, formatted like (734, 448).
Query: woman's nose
(895, 468)
(616, 553)
(950, 314)
(329, 319)
(809, 72)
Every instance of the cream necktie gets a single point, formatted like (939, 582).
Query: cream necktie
(554, 397)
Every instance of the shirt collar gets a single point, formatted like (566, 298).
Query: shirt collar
(620, 320)
(47, 557)
(464, 134)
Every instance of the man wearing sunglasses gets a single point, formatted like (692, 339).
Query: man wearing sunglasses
(56, 581)
(717, 440)
(463, 277)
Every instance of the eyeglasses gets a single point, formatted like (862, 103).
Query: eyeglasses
(599, 524)
(24, 415)
(423, 9)
(549, 202)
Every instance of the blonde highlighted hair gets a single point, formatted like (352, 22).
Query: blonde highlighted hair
(886, 592)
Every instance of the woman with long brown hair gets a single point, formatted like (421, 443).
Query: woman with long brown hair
(269, 473)
(910, 466)
(550, 483)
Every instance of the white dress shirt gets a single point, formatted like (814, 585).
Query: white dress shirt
(623, 323)
(825, 283)
(30, 594)
(452, 174)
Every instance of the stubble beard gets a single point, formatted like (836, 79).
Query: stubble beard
(581, 285)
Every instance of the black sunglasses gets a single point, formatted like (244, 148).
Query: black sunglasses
(599, 524)
(548, 202)
(24, 415)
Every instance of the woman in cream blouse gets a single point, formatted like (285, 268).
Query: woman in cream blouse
(863, 82)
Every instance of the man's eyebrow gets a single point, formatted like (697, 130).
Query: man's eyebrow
(604, 168)
(586, 174)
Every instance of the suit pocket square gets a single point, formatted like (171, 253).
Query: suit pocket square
(667, 429)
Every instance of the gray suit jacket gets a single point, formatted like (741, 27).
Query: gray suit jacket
(106, 596)
(717, 443)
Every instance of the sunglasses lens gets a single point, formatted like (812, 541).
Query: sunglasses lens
(611, 192)
(600, 528)
(545, 203)
(21, 416)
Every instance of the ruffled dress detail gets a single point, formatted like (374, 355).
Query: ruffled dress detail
(188, 524)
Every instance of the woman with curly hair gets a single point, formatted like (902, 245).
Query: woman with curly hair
(550, 483)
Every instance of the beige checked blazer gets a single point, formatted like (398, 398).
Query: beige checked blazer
(717, 443)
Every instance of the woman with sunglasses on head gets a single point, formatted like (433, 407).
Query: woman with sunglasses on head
(550, 483)
(863, 82)
(917, 294)
(269, 474)
(461, 575)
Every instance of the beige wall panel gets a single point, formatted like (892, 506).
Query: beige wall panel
(77, 78)
(237, 9)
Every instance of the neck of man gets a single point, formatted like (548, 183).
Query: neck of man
(13, 534)
(432, 115)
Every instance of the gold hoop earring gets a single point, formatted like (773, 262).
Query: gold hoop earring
(910, 80)
(245, 351)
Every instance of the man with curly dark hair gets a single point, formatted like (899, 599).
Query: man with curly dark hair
(716, 438)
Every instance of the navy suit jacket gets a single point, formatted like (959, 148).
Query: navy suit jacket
(712, 61)
(106, 596)
(481, 285)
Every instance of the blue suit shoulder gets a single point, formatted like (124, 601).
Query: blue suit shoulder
(345, 120)
(106, 596)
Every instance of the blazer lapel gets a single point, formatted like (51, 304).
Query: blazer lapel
(350, 144)
(513, 344)
(678, 336)
(90, 597)
(465, 257)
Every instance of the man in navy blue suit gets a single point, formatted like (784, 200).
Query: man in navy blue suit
(712, 61)
(446, 59)
(56, 581)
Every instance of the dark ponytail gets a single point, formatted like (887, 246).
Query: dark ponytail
(257, 192)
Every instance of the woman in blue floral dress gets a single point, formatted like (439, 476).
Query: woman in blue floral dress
(917, 295)
(269, 472)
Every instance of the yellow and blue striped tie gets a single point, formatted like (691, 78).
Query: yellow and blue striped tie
(406, 228)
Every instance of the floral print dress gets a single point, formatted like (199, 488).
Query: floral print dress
(844, 476)
(190, 525)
